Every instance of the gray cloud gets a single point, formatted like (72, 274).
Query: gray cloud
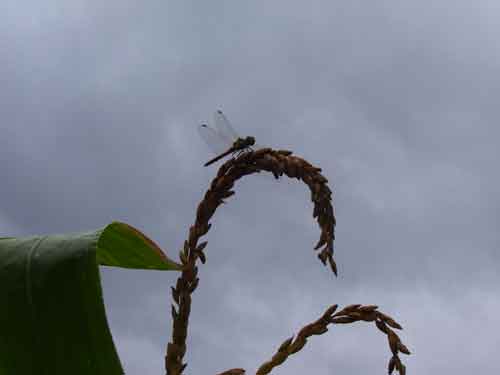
(396, 101)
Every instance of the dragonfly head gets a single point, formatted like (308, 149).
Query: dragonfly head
(250, 141)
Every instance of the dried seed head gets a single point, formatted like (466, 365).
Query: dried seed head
(322, 240)
(284, 346)
(193, 285)
(348, 309)
(297, 345)
(343, 320)
(393, 341)
(369, 316)
(174, 312)
(201, 246)
(175, 294)
(279, 358)
(183, 258)
(330, 310)
(390, 321)
(322, 256)
(234, 371)
(381, 325)
(333, 265)
(202, 256)
(392, 363)
(368, 308)
(276, 162)
(403, 349)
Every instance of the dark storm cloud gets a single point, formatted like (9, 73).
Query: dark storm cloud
(396, 101)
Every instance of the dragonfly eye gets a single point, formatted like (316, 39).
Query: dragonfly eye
(251, 140)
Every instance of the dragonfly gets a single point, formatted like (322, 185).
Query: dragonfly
(223, 139)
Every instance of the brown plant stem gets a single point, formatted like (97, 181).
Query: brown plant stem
(349, 314)
(278, 162)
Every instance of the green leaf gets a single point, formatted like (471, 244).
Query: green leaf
(52, 317)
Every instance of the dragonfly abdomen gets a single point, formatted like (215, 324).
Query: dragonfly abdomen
(217, 158)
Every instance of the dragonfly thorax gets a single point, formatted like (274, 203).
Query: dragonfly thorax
(244, 142)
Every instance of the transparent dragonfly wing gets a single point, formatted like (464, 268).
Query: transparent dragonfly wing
(224, 127)
(222, 136)
(214, 140)
(226, 130)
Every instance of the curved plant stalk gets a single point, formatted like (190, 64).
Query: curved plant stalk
(349, 314)
(278, 162)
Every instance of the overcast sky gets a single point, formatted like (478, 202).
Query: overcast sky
(396, 100)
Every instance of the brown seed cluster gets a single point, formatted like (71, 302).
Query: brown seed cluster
(349, 314)
(278, 162)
